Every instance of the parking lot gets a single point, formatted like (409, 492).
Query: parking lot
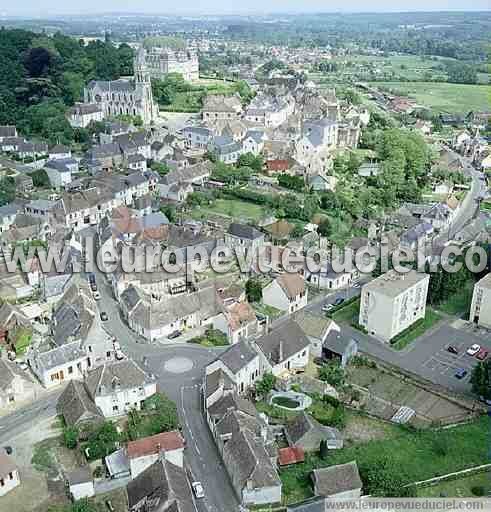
(446, 363)
(428, 356)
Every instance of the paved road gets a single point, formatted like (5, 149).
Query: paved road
(179, 369)
(23, 419)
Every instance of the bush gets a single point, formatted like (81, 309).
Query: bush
(265, 385)
(478, 490)
(159, 415)
(70, 437)
(332, 373)
(103, 441)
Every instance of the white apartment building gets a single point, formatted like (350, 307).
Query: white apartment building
(392, 303)
(481, 303)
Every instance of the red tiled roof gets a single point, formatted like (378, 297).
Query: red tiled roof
(278, 165)
(167, 441)
(291, 455)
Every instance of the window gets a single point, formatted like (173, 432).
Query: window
(70, 370)
(11, 476)
(115, 408)
(2, 482)
(108, 354)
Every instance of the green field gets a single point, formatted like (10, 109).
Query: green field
(370, 67)
(231, 208)
(443, 97)
(418, 455)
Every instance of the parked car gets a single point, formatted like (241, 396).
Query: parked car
(482, 354)
(338, 301)
(97, 295)
(460, 373)
(356, 285)
(327, 307)
(174, 335)
(22, 365)
(198, 490)
(473, 349)
(119, 355)
(93, 287)
(91, 278)
(452, 349)
(104, 316)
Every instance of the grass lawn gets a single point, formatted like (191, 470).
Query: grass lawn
(443, 97)
(232, 208)
(430, 320)
(192, 101)
(419, 455)
(348, 314)
(458, 303)
(461, 488)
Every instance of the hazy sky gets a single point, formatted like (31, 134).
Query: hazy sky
(50, 7)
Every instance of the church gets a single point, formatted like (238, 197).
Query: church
(125, 97)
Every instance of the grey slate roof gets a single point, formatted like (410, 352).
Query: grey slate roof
(125, 374)
(165, 483)
(59, 356)
(282, 342)
(80, 476)
(238, 356)
(303, 425)
(75, 405)
(337, 479)
(244, 231)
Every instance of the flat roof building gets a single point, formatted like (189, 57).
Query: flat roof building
(393, 302)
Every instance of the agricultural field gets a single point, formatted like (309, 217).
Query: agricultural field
(391, 68)
(443, 97)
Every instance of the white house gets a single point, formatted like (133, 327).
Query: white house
(197, 137)
(59, 365)
(13, 387)
(9, 474)
(80, 483)
(244, 236)
(60, 170)
(284, 350)
(82, 114)
(118, 387)
(286, 293)
(239, 365)
(144, 452)
(254, 142)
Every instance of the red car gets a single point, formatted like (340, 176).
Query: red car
(482, 354)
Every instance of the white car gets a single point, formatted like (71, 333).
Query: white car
(327, 307)
(119, 355)
(97, 295)
(198, 490)
(473, 349)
